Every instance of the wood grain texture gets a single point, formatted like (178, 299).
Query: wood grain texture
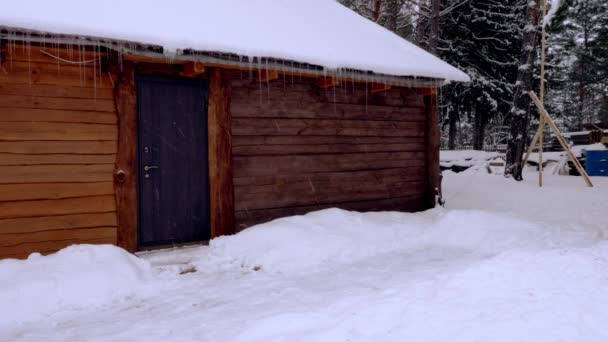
(125, 170)
(79, 205)
(220, 156)
(59, 147)
(79, 234)
(12, 114)
(62, 103)
(407, 203)
(53, 90)
(279, 165)
(298, 148)
(19, 131)
(58, 144)
(55, 173)
(43, 191)
(26, 225)
(55, 159)
(256, 140)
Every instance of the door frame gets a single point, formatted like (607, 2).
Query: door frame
(219, 125)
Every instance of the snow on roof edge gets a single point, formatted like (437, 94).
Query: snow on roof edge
(317, 32)
(138, 48)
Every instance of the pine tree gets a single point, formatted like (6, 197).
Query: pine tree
(579, 62)
(479, 38)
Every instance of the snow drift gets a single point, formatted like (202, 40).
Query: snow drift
(77, 277)
(332, 237)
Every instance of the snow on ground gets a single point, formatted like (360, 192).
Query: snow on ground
(466, 158)
(504, 261)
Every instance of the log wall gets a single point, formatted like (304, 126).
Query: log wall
(298, 147)
(58, 143)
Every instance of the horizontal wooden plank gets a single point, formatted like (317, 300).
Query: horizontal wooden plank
(278, 165)
(256, 140)
(40, 191)
(54, 115)
(318, 110)
(40, 53)
(46, 247)
(81, 235)
(43, 223)
(48, 90)
(324, 149)
(45, 74)
(56, 173)
(320, 192)
(55, 159)
(19, 131)
(54, 68)
(308, 90)
(327, 127)
(59, 147)
(80, 205)
(60, 103)
(251, 217)
(386, 175)
(361, 94)
(306, 123)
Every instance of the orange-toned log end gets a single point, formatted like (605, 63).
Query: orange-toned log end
(379, 87)
(265, 75)
(193, 69)
(327, 82)
(426, 91)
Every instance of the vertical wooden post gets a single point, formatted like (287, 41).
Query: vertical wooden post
(432, 151)
(125, 174)
(543, 49)
(221, 190)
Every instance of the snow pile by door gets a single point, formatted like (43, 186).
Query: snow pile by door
(75, 278)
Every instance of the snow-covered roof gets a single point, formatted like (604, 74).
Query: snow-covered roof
(317, 32)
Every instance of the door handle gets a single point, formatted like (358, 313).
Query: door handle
(150, 167)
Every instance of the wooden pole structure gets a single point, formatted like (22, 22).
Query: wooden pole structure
(541, 128)
(547, 119)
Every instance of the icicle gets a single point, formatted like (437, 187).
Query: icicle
(28, 50)
(267, 81)
(365, 96)
(260, 91)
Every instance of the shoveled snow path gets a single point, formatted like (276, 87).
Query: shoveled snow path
(546, 280)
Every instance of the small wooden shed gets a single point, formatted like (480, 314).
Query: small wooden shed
(140, 137)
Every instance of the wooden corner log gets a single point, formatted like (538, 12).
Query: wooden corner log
(221, 189)
(559, 137)
(125, 174)
(432, 154)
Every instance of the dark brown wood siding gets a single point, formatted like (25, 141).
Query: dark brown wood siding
(298, 147)
(58, 141)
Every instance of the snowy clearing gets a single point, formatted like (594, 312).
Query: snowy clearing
(505, 261)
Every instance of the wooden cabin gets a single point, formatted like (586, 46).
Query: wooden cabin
(104, 140)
